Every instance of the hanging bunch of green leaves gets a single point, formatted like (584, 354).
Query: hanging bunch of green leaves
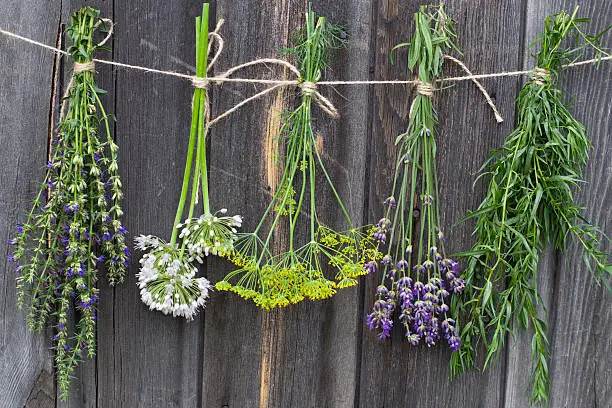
(74, 226)
(529, 204)
(418, 278)
(275, 280)
(167, 279)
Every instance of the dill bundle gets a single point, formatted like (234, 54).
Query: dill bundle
(529, 205)
(275, 280)
(74, 226)
(417, 276)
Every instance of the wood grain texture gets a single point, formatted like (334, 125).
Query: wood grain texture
(314, 354)
(320, 338)
(25, 95)
(148, 359)
(578, 310)
(395, 373)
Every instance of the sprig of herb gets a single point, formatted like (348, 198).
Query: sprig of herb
(529, 205)
(421, 290)
(289, 277)
(167, 276)
(74, 226)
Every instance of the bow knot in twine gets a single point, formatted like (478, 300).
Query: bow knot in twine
(310, 89)
(540, 76)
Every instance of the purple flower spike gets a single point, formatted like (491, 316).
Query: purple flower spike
(370, 267)
(403, 264)
(390, 201)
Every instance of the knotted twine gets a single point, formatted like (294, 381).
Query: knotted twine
(540, 76)
(87, 66)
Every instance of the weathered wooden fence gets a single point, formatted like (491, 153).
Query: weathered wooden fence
(314, 354)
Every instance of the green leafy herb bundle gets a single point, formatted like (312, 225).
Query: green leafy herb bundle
(529, 205)
(275, 280)
(74, 226)
(167, 275)
(420, 292)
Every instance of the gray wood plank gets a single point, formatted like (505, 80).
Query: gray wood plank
(26, 74)
(395, 373)
(240, 331)
(303, 355)
(146, 359)
(578, 310)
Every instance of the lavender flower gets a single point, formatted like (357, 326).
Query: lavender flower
(423, 279)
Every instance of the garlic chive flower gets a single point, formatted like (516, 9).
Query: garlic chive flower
(167, 282)
(210, 234)
(418, 279)
(167, 279)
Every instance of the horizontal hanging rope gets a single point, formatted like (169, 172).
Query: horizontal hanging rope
(309, 88)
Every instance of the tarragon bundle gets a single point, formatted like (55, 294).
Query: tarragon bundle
(417, 276)
(74, 226)
(529, 204)
(167, 279)
(275, 280)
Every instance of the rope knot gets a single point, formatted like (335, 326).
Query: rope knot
(308, 88)
(425, 89)
(200, 82)
(540, 76)
(88, 66)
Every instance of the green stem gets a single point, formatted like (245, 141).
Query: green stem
(201, 31)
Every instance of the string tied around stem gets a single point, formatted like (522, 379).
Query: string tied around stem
(79, 67)
(87, 66)
(540, 76)
(310, 89)
(424, 88)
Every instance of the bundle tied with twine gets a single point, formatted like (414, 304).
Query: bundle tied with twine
(73, 232)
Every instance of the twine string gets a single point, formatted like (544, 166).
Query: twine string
(540, 76)
(536, 74)
(484, 92)
(310, 89)
(110, 28)
(87, 66)
(425, 89)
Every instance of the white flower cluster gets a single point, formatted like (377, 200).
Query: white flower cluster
(210, 234)
(167, 283)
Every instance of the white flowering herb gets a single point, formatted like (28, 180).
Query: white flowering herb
(167, 279)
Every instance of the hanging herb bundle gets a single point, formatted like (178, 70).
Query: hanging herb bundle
(74, 226)
(289, 277)
(167, 275)
(529, 205)
(420, 292)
